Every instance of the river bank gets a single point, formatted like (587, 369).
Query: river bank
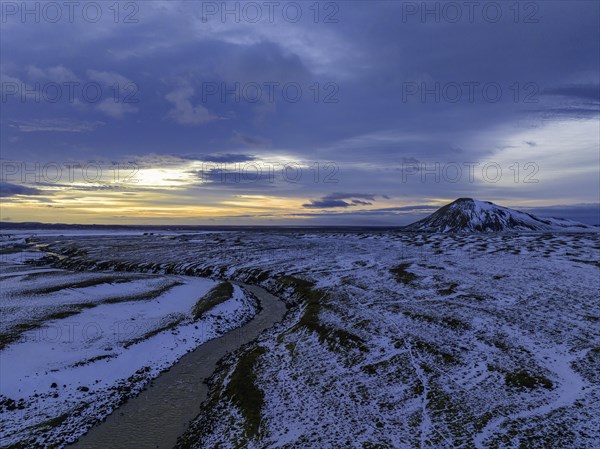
(162, 412)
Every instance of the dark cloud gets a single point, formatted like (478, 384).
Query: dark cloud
(55, 125)
(424, 208)
(585, 213)
(589, 92)
(325, 204)
(7, 189)
(337, 200)
(570, 112)
(231, 178)
(352, 110)
(228, 158)
(169, 160)
(342, 196)
(388, 216)
(569, 102)
(361, 203)
(89, 187)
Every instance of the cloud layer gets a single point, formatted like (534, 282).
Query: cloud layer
(310, 111)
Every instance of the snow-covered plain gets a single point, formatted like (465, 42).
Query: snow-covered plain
(393, 340)
(75, 345)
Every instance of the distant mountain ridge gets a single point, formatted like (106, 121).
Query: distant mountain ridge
(470, 215)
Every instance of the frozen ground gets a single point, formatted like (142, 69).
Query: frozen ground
(75, 345)
(392, 340)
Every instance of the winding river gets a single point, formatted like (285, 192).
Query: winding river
(162, 412)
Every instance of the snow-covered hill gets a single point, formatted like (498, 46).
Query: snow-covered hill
(469, 215)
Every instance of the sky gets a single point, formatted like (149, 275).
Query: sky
(297, 113)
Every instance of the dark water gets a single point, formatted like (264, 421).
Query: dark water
(162, 412)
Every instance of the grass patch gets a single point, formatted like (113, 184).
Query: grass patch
(73, 309)
(451, 409)
(522, 379)
(436, 351)
(471, 297)
(370, 445)
(214, 297)
(403, 276)
(589, 262)
(152, 333)
(54, 422)
(314, 300)
(451, 289)
(15, 333)
(258, 276)
(80, 284)
(93, 359)
(449, 322)
(455, 323)
(243, 390)
(143, 296)
(291, 347)
(380, 368)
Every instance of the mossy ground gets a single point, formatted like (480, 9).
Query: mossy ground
(213, 298)
(402, 275)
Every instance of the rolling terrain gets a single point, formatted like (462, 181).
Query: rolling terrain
(392, 339)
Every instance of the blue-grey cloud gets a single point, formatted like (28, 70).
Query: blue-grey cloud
(585, 213)
(337, 200)
(589, 92)
(192, 81)
(566, 112)
(8, 189)
(226, 158)
(55, 125)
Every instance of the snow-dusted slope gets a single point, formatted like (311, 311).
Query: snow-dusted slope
(463, 340)
(469, 215)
